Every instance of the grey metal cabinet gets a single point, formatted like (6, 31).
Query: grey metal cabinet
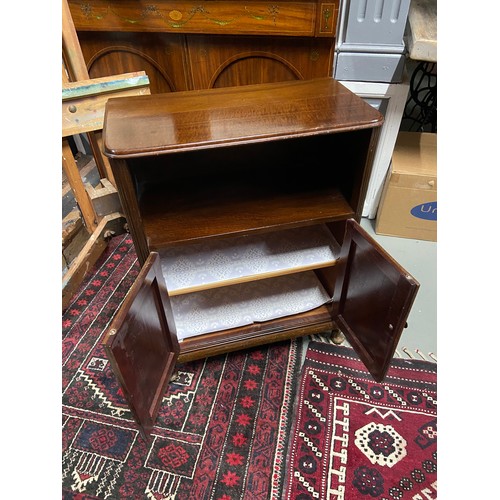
(370, 45)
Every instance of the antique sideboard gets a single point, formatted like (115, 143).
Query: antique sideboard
(186, 45)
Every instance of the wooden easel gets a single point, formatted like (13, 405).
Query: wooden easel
(83, 104)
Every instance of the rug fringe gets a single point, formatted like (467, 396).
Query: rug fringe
(431, 355)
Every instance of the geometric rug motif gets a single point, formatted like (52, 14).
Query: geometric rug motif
(354, 438)
(222, 427)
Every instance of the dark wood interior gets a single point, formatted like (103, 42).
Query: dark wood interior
(257, 187)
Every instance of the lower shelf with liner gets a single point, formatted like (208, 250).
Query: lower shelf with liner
(243, 304)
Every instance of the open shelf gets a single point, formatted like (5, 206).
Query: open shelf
(242, 189)
(175, 218)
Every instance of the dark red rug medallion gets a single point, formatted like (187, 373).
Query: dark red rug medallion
(354, 438)
(223, 426)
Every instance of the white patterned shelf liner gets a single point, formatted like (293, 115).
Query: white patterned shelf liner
(247, 258)
(246, 303)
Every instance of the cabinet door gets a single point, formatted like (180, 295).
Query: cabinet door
(372, 299)
(141, 344)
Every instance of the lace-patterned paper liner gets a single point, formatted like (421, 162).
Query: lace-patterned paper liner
(246, 303)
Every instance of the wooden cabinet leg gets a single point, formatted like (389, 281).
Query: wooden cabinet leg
(337, 336)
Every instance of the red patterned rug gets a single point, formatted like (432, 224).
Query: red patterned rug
(222, 429)
(356, 439)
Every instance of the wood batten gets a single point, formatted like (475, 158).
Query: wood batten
(83, 102)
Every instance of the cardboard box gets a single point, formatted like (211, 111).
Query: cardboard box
(408, 204)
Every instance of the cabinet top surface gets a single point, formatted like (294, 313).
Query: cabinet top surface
(161, 123)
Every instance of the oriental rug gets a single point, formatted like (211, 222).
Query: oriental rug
(354, 438)
(223, 425)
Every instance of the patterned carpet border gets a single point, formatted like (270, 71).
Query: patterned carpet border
(354, 438)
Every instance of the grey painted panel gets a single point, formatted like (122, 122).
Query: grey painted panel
(386, 68)
(378, 22)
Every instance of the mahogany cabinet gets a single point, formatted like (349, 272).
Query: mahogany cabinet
(187, 45)
(244, 206)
